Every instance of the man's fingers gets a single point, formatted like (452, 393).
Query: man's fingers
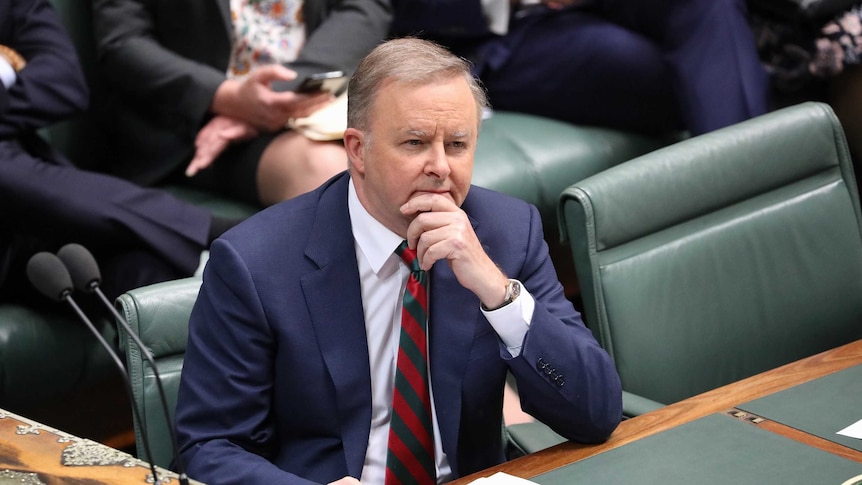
(429, 202)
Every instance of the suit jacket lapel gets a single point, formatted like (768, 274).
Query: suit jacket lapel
(334, 302)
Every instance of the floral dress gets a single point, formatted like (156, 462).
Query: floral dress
(800, 55)
(264, 32)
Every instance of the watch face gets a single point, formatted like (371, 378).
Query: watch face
(514, 290)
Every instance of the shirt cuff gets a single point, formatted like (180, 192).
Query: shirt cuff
(512, 321)
(7, 74)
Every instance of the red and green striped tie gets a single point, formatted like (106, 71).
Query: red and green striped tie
(410, 459)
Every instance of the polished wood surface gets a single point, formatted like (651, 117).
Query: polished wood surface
(33, 453)
(722, 399)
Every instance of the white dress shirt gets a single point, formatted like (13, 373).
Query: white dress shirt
(7, 73)
(383, 277)
(498, 13)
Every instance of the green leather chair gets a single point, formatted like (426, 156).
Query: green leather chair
(159, 314)
(722, 256)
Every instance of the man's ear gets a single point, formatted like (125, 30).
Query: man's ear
(354, 143)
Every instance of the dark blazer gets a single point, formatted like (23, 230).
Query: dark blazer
(45, 201)
(276, 382)
(164, 60)
(627, 64)
(52, 87)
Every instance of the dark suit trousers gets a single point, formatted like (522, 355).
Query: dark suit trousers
(645, 65)
(138, 235)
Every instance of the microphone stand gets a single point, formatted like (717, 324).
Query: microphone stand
(137, 414)
(183, 478)
(84, 272)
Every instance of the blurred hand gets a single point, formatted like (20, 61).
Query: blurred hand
(558, 4)
(253, 101)
(345, 481)
(214, 137)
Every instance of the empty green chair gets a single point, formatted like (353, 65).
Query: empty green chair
(159, 314)
(721, 256)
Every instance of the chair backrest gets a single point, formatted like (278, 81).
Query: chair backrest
(721, 256)
(159, 314)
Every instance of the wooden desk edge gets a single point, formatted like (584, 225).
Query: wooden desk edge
(717, 400)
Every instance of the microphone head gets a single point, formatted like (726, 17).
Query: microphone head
(48, 274)
(82, 266)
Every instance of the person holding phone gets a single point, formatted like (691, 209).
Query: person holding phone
(202, 90)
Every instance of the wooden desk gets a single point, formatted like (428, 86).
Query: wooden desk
(721, 400)
(32, 453)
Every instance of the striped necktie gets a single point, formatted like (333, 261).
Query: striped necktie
(410, 459)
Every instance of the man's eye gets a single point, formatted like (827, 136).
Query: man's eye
(414, 142)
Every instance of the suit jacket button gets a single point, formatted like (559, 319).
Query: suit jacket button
(541, 364)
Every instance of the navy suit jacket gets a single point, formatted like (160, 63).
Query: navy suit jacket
(276, 382)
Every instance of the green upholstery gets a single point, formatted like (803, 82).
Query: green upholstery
(48, 345)
(535, 158)
(159, 315)
(723, 255)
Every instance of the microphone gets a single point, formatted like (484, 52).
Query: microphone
(85, 274)
(48, 274)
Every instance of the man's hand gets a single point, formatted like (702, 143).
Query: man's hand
(441, 230)
(12, 57)
(253, 101)
(214, 137)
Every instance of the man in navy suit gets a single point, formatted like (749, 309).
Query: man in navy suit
(646, 65)
(140, 236)
(288, 374)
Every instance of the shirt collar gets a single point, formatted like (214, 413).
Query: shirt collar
(374, 239)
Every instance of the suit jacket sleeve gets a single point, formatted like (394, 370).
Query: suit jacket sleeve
(565, 379)
(140, 68)
(349, 31)
(51, 87)
(224, 412)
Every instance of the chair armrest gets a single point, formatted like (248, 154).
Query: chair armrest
(634, 405)
(531, 437)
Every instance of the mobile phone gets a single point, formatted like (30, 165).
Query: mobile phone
(332, 82)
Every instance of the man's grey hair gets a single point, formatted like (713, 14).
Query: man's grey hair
(405, 60)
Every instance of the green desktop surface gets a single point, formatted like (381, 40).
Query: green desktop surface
(717, 449)
(820, 407)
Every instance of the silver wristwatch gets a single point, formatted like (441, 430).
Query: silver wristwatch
(513, 289)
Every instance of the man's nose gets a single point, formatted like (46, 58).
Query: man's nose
(437, 164)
